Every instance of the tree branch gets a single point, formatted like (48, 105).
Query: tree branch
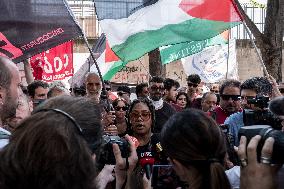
(250, 24)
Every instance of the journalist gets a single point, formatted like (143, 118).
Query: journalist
(249, 91)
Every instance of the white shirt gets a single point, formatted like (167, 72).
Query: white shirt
(233, 175)
(4, 142)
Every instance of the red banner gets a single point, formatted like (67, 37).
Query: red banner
(54, 64)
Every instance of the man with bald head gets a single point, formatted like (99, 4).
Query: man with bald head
(93, 86)
(9, 92)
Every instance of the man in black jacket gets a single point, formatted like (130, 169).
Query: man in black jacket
(163, 110)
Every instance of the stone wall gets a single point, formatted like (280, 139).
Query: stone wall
(248, 61)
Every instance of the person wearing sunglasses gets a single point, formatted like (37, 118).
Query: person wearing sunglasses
(249, 91)
(163, 110)
(120, 107)
(229, 100)
(111, 96)
(193, 81)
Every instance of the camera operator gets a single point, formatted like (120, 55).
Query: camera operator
(263, 157)
(249, 91)
(254, 174)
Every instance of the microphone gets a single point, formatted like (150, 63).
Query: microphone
(147, 162)
(276, 106)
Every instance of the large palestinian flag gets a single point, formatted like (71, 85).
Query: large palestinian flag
(135, 28)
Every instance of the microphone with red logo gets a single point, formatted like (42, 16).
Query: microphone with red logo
(147, 161)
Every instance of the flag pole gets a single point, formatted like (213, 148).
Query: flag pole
(91, 52)
(228, 54)
(256, 49)
(250, 36)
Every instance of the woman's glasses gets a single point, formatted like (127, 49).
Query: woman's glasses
(144, 115)
(118, 108)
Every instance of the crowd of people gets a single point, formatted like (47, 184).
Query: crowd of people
(169, 136)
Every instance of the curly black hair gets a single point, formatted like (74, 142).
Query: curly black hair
(194, 78)
(229, 83)
(169, 83)
(259, 84)
(151, 108)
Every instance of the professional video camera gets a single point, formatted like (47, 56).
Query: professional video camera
(266, 131)
(262, 116)
(106, 156)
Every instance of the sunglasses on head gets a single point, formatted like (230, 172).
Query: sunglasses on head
(228, 97)
(124, 108)
(192, 85)
(155, 88)
(108, 89)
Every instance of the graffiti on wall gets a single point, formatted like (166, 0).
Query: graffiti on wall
(132, 73)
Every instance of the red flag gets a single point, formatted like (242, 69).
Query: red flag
(54, 64)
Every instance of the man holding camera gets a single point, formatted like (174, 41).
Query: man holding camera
(250, 89)
(256, 169)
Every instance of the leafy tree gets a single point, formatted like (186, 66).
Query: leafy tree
(270, 42)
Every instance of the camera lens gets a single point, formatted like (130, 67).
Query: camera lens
(266, 131)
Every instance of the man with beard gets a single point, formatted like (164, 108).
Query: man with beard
(38, 92)
(9, 92)
(163, 110)
(229, 101)
(171, 87)
(24, 110)
(93, 86)
(249, 91)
